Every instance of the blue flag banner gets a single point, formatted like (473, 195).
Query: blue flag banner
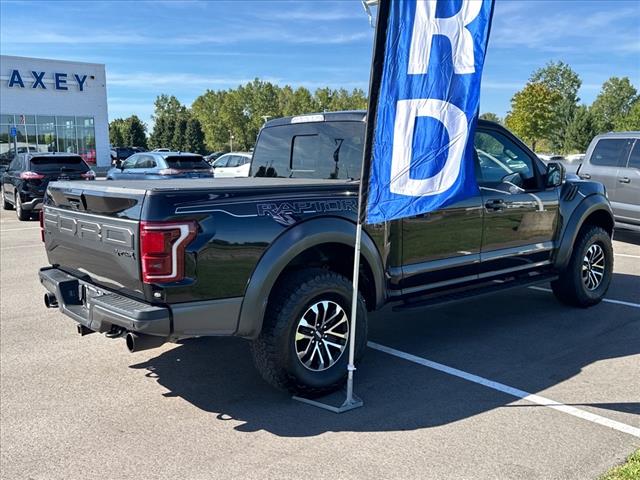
(427, 107)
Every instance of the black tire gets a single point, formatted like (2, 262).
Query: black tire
(20, 212)
(5, 205)
(571, 288)
(274, 351)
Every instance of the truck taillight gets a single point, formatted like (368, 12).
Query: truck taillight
(169, 171)
(41, 218)
(162, 247)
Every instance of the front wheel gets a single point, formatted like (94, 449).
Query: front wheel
(586, 279)
(304, 343)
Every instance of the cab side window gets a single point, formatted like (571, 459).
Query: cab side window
(145, 161)
(611, 152)
(130, 162)
(498, 157)
(222, 162)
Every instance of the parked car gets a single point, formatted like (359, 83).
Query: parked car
(236, 164)
(269, 259)
(613, 159)
(161, 166)
(25, 181)
(161, 150)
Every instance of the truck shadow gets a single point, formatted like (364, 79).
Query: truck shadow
(524, 339)
(627, 236)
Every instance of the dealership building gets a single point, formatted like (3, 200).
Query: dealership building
(53, 106)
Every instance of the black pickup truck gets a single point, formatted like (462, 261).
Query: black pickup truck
(268, 258)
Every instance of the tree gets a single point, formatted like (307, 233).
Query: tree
(492, 117)
(116, 137)
(167, 105)
(135, 132)
(532, 116)
(581, 130)
(631, 121)
(559, 77)
(613, 103)
(194, 137)
(179, 130)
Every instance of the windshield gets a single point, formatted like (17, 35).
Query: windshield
(328, 150)
(187, 162)
(57, 163)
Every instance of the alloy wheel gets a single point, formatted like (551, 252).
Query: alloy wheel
(322, 335)
(593, 267)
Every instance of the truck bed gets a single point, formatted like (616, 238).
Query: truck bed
(207, 183)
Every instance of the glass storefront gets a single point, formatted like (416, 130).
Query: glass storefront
(47, 133)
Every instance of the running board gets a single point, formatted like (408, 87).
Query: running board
(472, 292)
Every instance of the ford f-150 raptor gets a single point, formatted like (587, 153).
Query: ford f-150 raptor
(268, 258)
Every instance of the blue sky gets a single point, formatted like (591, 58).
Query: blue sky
(183, 48)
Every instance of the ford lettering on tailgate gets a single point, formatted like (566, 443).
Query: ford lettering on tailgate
(88, 229)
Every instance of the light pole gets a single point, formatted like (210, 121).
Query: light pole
(231, 137)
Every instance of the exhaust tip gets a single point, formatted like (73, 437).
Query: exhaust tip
(137, 342)
(50, 300)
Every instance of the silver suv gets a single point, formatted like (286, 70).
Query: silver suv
(614, 160)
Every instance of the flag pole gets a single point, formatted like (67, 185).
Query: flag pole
(375, 79)
(352, 401)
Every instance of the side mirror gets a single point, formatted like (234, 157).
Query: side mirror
(556, 174)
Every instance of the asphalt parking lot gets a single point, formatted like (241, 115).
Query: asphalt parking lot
(83, 407)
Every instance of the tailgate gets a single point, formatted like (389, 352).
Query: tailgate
(91, 229)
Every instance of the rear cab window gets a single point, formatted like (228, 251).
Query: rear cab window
(57, 163)
(187, 162)
(323, 150)
(611, 152)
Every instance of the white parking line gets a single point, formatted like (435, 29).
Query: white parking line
(516, 392)
(606, 300)
(626, 255)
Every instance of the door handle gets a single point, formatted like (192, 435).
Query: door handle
(624, 180)
(495, 205)
(586, 176)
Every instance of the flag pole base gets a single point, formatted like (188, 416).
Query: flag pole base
(326, 404)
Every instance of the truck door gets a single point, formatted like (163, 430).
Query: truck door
(520, 214)
(626, 199)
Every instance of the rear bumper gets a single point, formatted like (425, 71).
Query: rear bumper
(99, 310)
(32, 205)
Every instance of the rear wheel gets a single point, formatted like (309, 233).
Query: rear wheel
(20, 212)
(304, 343)
(5, 205)
(586, 279)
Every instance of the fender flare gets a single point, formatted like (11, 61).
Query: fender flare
(588, 206)
(285, 248)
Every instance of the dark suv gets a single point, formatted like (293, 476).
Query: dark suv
(25, 180)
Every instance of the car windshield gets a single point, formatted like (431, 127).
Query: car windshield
(187, 162)
(50, 164)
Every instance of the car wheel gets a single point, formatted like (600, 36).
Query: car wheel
(20, 212)
(304, 343)
(5, 205)
(586, 279)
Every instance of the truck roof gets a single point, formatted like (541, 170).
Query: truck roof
(342, 116)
